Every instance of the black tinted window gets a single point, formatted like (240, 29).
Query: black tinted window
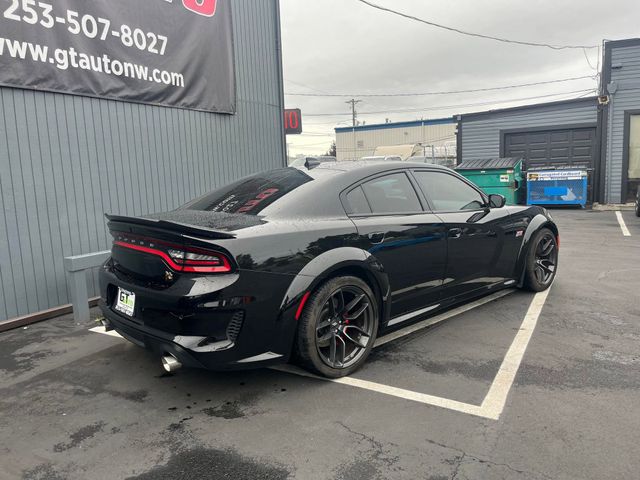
(448, 193)
(253, 194)
(357, 201)
(391, 194)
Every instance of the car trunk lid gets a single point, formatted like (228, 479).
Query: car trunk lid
(155, 250)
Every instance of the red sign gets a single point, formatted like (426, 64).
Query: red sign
(206, 8)
(292, 121)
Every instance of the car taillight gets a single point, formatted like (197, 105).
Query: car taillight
(180, 259)
(199, 260)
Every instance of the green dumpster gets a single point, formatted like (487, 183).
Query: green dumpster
(496, 175)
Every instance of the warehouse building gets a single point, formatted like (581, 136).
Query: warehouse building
(75, 144)
(599, 133)
(552, 134)
(430, 136)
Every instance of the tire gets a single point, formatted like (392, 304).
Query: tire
(542, 261)
(637, 208)
(331, 338)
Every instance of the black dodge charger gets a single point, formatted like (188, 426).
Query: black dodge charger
(314, 264)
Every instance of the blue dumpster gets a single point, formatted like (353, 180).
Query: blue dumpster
(557, 187)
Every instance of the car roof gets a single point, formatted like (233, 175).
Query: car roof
(367, 167)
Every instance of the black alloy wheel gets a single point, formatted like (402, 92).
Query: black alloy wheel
(344, 329)
(338, 327)
(542, 261)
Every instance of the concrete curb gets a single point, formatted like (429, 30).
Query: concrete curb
(41, 316)
(612, 207)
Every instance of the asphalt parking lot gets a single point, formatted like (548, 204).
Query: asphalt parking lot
(75, 404)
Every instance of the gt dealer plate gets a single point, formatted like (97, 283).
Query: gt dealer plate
(125, 302)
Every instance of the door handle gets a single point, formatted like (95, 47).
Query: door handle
(376, 237)
(455, 232)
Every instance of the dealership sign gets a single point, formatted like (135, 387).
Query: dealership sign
(175, 53)
(292, 121)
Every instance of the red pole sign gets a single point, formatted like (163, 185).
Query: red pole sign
(292, 121)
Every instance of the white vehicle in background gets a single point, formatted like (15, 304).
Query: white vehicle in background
(442, 161)
(402, 151)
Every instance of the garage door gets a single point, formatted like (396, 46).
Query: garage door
(572, 147)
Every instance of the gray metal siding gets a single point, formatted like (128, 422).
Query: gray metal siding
(66, 160)
(626, 97)
(481, 135)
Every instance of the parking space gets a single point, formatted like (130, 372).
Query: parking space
(76, 404)
(631, 221)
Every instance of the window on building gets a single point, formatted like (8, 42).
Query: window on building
(633, 174)
(634, 147)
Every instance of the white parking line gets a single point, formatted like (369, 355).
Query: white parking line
(102, 330)
(496, 398)
(623, 226)
(389, 390)
(494, 402)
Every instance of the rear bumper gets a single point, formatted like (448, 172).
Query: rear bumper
(194, 319)
(159, 344)
(186, 350)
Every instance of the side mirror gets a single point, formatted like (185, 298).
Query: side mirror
(496, 200)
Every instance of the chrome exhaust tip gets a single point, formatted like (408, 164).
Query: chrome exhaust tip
(170, 363)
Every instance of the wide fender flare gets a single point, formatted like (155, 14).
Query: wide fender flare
(325, 265)
(536, 224)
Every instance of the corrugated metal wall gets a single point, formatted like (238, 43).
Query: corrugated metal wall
(369, 137)
(481, 135)
(66, 160)
(626, 97)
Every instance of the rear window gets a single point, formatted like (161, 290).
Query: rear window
(358, 202)
(251, 195)
(391, 194)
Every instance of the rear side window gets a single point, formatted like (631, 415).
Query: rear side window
(391, 194)
(448, 193)
(358, 202)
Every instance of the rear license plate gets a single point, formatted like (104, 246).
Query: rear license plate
(125, 302)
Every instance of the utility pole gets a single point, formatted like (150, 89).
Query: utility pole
(353, 102)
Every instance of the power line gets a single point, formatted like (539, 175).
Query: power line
(305, 86)
(316, 134)
(310, 144)
(586, 57)
(471, 34)
(445, 107)
(449, 92)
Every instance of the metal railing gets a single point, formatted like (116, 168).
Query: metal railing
(77, 267)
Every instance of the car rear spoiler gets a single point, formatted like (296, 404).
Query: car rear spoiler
(171, 226)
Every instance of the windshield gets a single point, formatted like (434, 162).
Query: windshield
(251, 195)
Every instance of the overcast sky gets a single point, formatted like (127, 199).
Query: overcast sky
(344, 46)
